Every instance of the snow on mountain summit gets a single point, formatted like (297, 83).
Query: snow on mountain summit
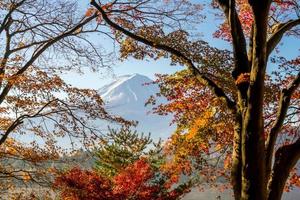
(126, 96)
(128, 89)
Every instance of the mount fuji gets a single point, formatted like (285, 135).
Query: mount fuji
(126, 97)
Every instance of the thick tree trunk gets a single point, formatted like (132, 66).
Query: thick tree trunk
(254, 186)
(253, 156)
(236, 173)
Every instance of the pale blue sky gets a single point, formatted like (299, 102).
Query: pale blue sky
(130, 66)
(290, 49)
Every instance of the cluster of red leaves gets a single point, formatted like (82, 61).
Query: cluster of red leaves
(294, 180)
(243, 78)
(80, 184)
(127, 186)
(137, 181)
(246, 17)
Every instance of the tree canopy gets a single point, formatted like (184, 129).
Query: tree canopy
(236, 110)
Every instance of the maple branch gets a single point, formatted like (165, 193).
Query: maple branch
(277, 36)
(219, 92)
(286, 158)
(238, 37)
(284, 103)
(9, 130)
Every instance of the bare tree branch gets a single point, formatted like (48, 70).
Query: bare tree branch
(6, 20)
(238, 37)
(278, 34)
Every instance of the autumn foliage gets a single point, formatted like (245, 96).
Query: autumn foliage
(124, 169)
(80, 184)
(137, 181)
(236, 111)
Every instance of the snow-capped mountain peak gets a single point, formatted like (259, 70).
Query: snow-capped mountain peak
(126, 97)
(128, 89)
